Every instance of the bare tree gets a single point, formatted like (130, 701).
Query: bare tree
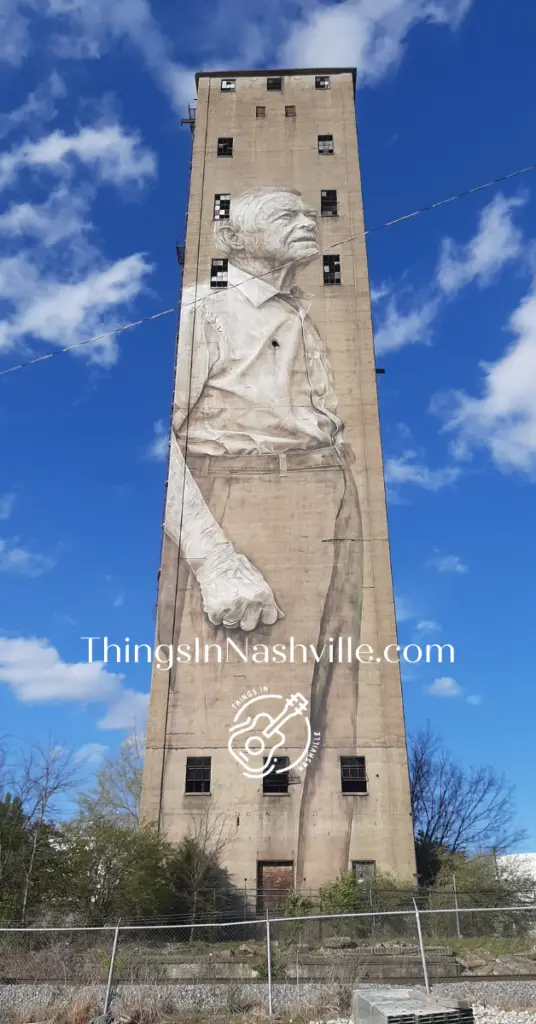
(116, 794)
(46, 775)
(459, 810)
(199, 877)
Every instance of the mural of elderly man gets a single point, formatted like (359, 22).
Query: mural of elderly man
(262, 503)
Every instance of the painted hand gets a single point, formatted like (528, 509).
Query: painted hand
(235, 594)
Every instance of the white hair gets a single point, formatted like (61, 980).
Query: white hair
(244, 210)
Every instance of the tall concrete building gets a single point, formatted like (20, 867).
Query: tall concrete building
(278, 713)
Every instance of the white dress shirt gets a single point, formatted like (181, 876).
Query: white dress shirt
(253, 371)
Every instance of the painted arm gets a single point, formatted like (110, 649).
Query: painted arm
(234, 593)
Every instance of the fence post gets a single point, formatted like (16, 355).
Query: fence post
(269, 962)
(458, 929)
(421, 947)
(108, 995)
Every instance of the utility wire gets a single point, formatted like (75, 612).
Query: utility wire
(256, 277)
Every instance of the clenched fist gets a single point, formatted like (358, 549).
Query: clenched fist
(235, 594)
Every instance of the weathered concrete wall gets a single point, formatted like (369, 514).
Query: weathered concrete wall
(316, 826)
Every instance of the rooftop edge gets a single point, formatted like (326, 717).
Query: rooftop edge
(276, 72)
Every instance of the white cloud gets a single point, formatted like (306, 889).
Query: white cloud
(14, 41)
(503, 419)
(447, 563)
(428, 626)
(404, 469)
(91, 754)
(63, 215)
(379, 292)
(116, 156)
(496, 242)
(64, 313)
(444, 687)
(7, 504)
(85, 29)
(37, 675)
(55, 285)
(159, 446)
(38, 107)
(129, 711)
(404, 610)
(474, 699)
(399, 329)
(21, 562)
(369, 34)
(118, 601)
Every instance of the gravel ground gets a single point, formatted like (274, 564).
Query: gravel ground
(483, 1015)
(488, 995)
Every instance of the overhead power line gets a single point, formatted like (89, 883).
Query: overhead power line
(333, 245)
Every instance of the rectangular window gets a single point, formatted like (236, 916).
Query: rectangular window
(325, 144)
(290, 111)
(277, 781)
(225, 147)
(328, 203)
(222, 207)
(261, 111)
(219, 273)
(353, 775)
(197, 775)
(274, 84)
(332, 269)
(322, 82)
(228, 85)
(364, 870)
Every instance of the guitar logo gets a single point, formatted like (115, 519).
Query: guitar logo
(256, 735)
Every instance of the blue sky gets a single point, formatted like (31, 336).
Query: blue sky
(93, 179)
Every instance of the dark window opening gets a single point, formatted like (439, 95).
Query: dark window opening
(353, 775)
(322, 82)
(325, 144)
(222, 207)
(225, 147)
(261, 111)
(328, 203)
(332, 269)
(274, 84)
(277, 781)
(197, 775)
(290, 111)
(228, 85)
(364, 870)
(219, 273)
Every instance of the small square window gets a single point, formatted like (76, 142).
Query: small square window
(225, 147)
(364, 870)
(277, 781)
(274, 84)
(325, 144)
(228, 85)
(322, 82)
(219, 273)
(290, 111)
(222, 207)
(332, 269)
(197, 775)
(328, 203)
(261, 111)
(353, 774)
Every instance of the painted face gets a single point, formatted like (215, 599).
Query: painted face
(282, 229)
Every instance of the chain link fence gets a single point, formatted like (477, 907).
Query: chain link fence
(256, 960)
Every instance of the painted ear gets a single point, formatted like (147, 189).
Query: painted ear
(228, 237)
